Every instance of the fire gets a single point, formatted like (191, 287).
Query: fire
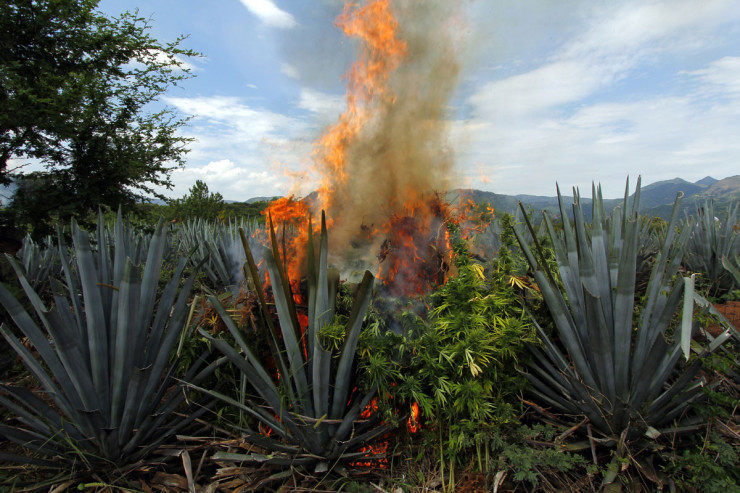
(413, 424)
(416, 253)
(382, 162)
(382, 53)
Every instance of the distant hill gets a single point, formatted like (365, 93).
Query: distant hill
(655, 199)
(664, 192)
(727, 189)
(707, 181)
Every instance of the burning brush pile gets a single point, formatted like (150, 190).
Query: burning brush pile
(383, 164)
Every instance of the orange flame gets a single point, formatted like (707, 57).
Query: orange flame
(413, 424)
(382, 53)
(401, 226)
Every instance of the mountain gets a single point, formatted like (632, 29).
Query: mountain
(656, 199)
(726, 189)
(707, 181)
(664, 192)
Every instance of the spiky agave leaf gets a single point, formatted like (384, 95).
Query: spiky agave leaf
(314, 408)
(40, 262)
(104, 350)
(713, 238)
(619, 376)
(218, 246)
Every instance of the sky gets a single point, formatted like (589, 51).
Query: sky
(569, 92)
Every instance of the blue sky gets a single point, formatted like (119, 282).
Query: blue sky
(568, 91)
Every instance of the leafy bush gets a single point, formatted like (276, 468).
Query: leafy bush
(458, 364)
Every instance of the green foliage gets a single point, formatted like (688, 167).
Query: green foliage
(199, 203)
(76, 89)
(517, 452)
(458, 364)
(102, 355)
(709, 466)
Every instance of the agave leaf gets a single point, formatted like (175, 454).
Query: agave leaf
(125, 337)
(346, 360)
(253, 370)
(30, 330)
(282, 283)
(289, 323)
(624, 307)
(562, 316)
(150, 278)
(277, 426)
(655, 285)
(97, 325)
(601, 345)
(308, 391)
(73, 290)
(615, 374)
(323, 312)
(99, 366)
(686, 320)
(37, 442)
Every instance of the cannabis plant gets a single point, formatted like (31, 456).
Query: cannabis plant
(311, 402)
(619, 369)
(102, 355)
(712, 239)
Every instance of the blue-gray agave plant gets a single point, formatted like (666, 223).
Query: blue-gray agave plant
(713, 238)
(219, 247)
(102, 355)
(619, 369)
(314, 407)
(40, 261)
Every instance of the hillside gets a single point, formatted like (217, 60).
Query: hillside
(655, 199)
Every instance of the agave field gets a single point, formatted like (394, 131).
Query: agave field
(568, 353)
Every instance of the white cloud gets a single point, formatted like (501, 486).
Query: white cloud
(248, 151)
(318, 102)
(289, 70)
(270, 14)
(570, 119)
(721, 75)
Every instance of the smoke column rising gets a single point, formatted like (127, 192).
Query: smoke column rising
(389, 152)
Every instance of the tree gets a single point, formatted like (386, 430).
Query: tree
(76, 89)
(199, 203)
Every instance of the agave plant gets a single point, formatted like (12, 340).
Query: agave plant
(219, 247)
(314, 406)
(39, 262)
(134, 242)
(712, 239)
(102, 356)
(620, 376)
(732, 264)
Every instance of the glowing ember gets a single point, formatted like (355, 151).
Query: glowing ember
(413, 425)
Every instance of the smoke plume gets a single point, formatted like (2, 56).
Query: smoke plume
(394, 153)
